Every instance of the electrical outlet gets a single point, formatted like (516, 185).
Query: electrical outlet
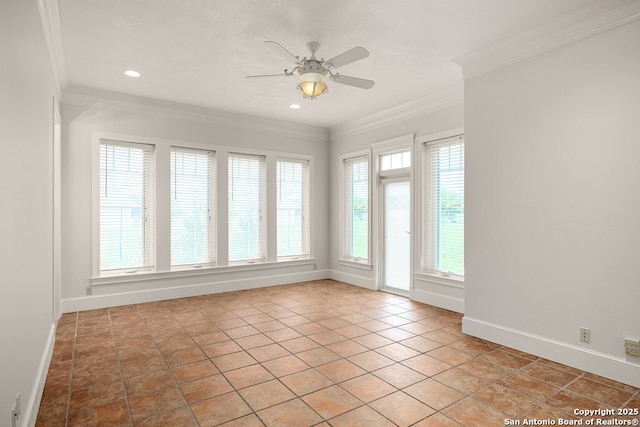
(632, 347)
(16, 412)
(585, 334)
(89, 290)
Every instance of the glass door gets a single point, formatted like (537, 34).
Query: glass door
(397, 235)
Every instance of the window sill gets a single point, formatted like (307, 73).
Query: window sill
(355, 264)
(191, 271)
(453, 281)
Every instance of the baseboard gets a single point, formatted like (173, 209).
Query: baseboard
(352, 279)
(438, 300)
(420, 295)
(33, 405)
(594, 362)
(93, 302)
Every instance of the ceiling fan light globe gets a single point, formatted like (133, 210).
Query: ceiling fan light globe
(312, 89)
(312, 84)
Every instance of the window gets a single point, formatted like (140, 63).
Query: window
(156, 209)
(292, 190)
(356, 203)
(395, 161)
(126, 206)
(193, 196)
(246, 208)
(444, 206)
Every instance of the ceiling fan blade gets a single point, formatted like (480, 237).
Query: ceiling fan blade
(352, 55)
(353, 81)
(281, 50)
(260, 76)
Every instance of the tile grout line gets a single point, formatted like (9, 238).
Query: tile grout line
(441, 345)
(255, 412)
(478, 356)
(546, 399)
(339, 384)
(538, 404)
(474, 357)
(73, 361)
(235, 390)
(296, 396)
(437, 411)
(124, 385)
(175, 382)
(303, 303)
(173, 378)
(368, 372)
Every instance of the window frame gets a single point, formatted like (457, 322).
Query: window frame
(346, 258)
(428, 239)
(149, 230)
(162, 268)
(263, 211)
(306, 208)
(212, 207)
(390, 171)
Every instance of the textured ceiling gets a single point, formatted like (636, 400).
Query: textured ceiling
(198, 52)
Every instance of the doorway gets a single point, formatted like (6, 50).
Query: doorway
(396, 232)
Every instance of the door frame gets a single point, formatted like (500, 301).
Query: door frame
(394, 145)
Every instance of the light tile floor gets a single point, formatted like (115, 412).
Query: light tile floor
(317, 353)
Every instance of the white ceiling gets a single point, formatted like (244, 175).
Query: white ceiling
(198, 52)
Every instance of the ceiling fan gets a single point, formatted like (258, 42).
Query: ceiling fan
(313, 72)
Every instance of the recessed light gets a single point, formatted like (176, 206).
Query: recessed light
(132, 73)
(294, 106)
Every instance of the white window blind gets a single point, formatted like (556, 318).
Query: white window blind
(126, 206)
(193, 196)
(356, 173)
(443, 249)
(292, 189)
(247, 194)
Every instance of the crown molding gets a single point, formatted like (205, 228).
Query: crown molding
(584, 22)
(50, 18)
(172, 110)
(78, 95)
(444, 98)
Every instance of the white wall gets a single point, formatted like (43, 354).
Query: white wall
(354, 137)
(553, 203)
(26, 129)
(160, 121)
